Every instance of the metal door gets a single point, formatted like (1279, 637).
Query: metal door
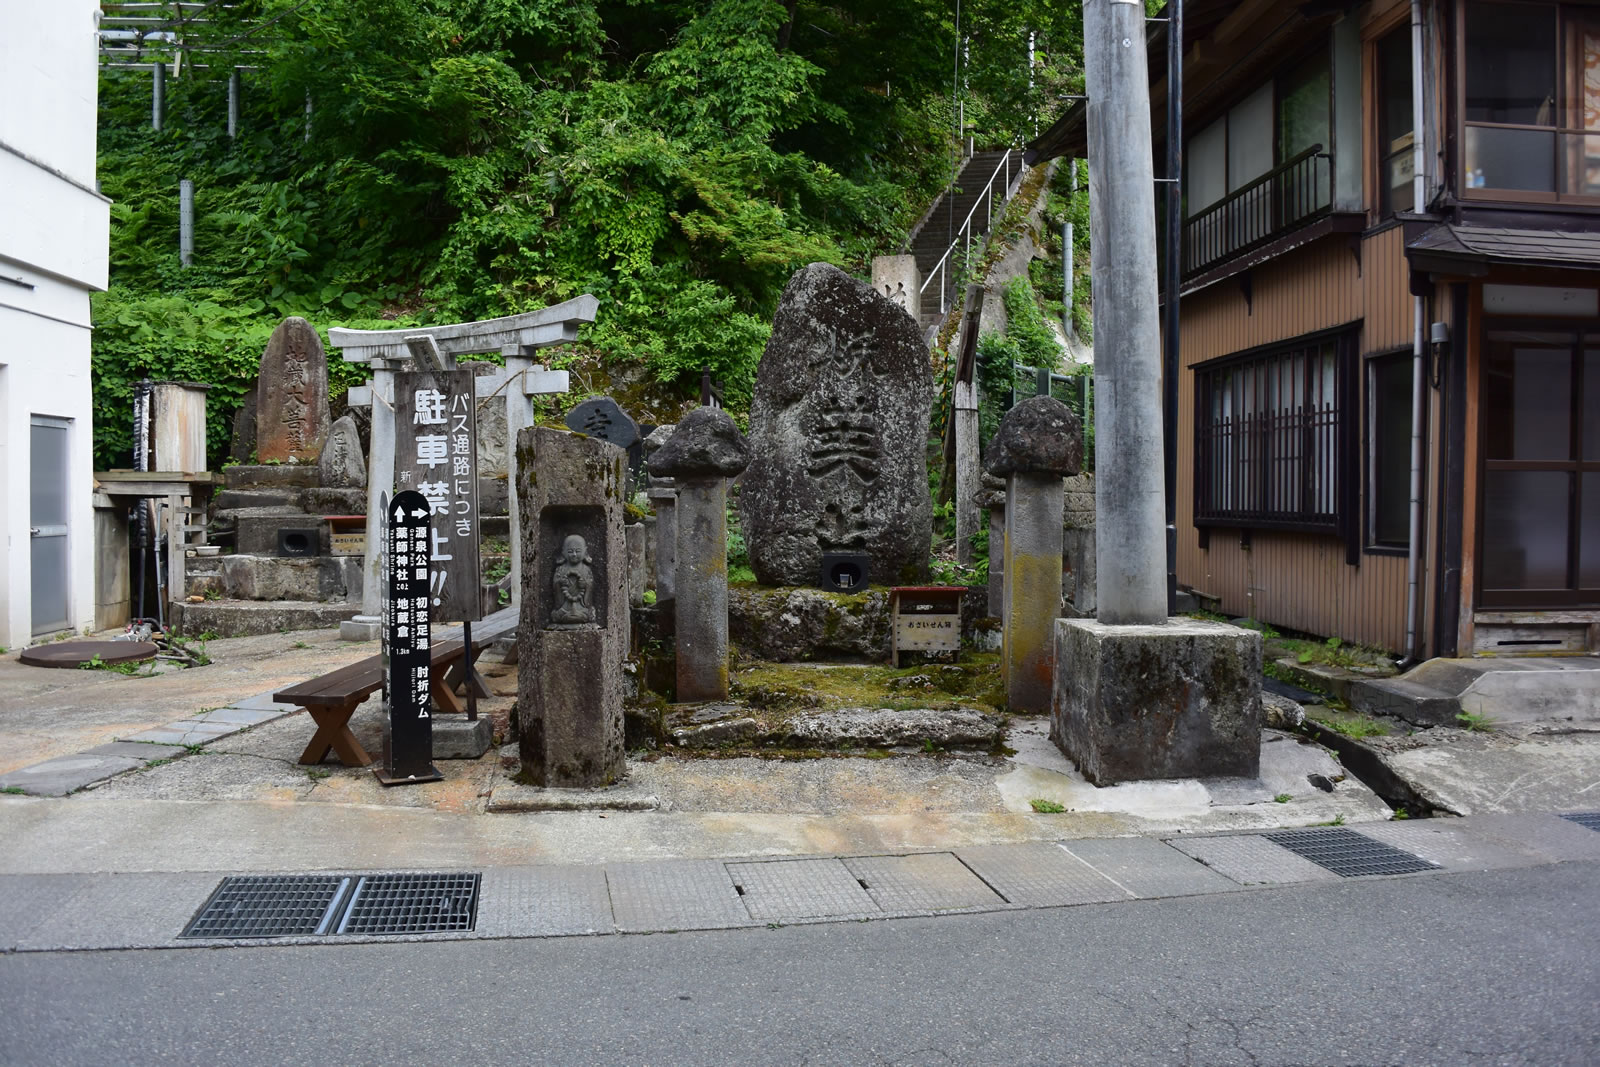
(47, 521)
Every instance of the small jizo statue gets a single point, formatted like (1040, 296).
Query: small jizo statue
(573, 584)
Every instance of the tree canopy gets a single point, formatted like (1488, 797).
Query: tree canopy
(473, 158)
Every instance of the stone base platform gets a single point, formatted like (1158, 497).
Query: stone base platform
(244, 618)
(1179, 699)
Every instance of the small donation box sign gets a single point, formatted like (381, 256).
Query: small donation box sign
(925, 618)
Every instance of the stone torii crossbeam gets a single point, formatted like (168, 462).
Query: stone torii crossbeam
(516, 337)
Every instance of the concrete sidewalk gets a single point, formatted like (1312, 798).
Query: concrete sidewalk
(53, 912)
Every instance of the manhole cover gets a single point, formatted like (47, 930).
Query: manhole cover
(412, 904)
(77, 653)
(1349, 854)
(1590, 819)
(271, 906)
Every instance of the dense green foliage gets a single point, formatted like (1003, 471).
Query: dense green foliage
(472, 158)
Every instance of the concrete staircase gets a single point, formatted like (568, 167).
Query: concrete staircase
(1502, 689)
(943, 222)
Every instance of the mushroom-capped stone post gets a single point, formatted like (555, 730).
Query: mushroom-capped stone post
(1041, 435)
(703, 453)
(1038, 444)
(706, 443)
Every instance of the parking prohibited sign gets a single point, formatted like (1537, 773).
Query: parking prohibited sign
(436, 455)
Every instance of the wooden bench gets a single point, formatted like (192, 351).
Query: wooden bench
(332, 699)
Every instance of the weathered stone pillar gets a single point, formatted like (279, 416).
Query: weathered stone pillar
(633, 536)
(1038, 444)
(704, 451)
(572, 633)
(663, 495)
(966, 433)
(992, 496)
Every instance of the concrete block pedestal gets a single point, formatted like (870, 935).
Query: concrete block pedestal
(1178, 699)
(360, 628)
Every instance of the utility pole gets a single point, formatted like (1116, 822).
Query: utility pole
(1128, 446)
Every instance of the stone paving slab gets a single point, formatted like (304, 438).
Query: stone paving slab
(28, 900)
(64, 774)
(1147, 867)
(1251, 860)
(922, 884)
(796, 890)
(1437, 841)
(122, 911)
(544, 901)
(263, 702)
(1040, 874)
(141, 750)
(239, 716)
(674, 895)
(185, 732)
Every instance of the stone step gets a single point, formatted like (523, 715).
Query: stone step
(244, 618)
(319, 501)
(233, 516)
(235, 499)
(1403, 699)
(1501, 690)
(308, 578)
(270, 475)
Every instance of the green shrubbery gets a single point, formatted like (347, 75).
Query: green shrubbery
(475, 158)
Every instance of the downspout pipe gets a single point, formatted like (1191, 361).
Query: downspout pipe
(1419, 194)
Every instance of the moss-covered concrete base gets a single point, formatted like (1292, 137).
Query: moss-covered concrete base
(1179, 699)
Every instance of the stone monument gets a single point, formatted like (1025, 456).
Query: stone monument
(342, 464)
(573, 627)
(664, 498)
(1038, 444)
(703, 452)
(292, 395)
(838, 436)
(991, 496)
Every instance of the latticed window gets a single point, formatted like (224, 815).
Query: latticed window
(1270, 448)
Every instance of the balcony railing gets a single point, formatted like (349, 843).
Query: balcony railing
(1296, 192)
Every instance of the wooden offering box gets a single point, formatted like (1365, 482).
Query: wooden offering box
(924, 618)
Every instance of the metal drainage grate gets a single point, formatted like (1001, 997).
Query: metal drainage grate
(1589, 819)
(271, 906)
(312, 905)
(412, 904)
(1349, 854)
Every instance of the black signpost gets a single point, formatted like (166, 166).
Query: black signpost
(407, 681)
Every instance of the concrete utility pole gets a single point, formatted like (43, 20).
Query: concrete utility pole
(233, 106)
(1129, 499)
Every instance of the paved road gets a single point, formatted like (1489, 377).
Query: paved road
(1497, 967)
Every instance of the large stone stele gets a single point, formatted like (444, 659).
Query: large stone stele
(838, 435)
(292, 414)
(342, 465)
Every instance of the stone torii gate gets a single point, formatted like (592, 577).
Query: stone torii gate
(516, 337)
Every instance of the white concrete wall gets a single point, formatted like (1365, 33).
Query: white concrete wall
(54, 231)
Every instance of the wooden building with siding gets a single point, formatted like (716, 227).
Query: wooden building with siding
(1309, 271)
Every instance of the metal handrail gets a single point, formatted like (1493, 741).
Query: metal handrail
(1297, 189)
(964, 233)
